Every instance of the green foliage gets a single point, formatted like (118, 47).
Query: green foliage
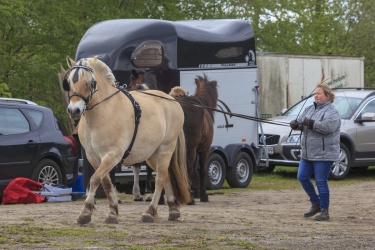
(4, 90)
(37, 35)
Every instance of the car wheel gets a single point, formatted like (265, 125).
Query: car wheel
(240, 175)
(341, 167)
(268, 169)
(216, 172)
(47, 171)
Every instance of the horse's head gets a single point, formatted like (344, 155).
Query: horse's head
(80, 82)
(136, 79)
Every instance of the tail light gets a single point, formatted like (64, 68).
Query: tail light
(72, 142)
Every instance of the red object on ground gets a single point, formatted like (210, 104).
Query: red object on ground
(20, 191)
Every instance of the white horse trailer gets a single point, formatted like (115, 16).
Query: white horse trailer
(177, 52)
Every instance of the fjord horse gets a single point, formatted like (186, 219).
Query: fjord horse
(109, 132)
(199, 130)
(141, 80)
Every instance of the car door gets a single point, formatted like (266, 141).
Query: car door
(18, 144)
(365, 145)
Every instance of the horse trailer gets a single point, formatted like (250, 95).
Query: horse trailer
(178, 51)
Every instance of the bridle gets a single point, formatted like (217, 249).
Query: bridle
(92, 85)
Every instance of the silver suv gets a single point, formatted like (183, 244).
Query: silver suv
(357, 134)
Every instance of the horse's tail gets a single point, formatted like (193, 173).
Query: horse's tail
(178, 173)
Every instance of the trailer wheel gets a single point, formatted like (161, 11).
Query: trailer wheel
(216, 172)
(240, 175)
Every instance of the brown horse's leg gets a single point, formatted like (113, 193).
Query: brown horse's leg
(193, 177)
(202, 175)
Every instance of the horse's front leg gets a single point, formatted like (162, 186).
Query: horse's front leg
(136, 190)
(101, 174)
(110, 190)
(89, 204)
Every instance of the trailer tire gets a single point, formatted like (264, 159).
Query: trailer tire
(241, 173)
(216, 171)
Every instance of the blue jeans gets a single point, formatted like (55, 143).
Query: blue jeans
(321, 170)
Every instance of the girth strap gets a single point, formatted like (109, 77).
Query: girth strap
(137, 116)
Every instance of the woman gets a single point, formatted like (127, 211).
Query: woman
(320, 145)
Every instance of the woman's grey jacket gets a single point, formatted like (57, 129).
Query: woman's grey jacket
(322, 142)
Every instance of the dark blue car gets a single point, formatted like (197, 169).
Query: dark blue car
(35, 144)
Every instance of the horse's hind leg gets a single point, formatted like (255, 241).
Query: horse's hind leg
(202, 175)
(174, 207)
(148, 190)
(136, 190)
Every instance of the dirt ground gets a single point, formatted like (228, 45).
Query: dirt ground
(241, 220)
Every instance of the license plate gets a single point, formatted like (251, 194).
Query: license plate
(269, 150)
(126, 168)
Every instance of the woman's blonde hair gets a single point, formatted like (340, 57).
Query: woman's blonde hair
(327, 91)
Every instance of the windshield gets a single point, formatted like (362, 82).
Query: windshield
(344, 104)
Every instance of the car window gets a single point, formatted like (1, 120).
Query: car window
(346, 105)
(37, 116)
(61, 126)
(13, 122)
(296, 109)
(368, 108)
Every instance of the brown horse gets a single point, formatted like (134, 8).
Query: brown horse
(198, 129)
(109, 132)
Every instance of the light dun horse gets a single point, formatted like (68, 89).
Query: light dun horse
(106, 130)
(141, 80)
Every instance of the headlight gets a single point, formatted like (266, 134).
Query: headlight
(294, 139)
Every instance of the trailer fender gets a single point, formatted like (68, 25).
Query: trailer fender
(232, 150)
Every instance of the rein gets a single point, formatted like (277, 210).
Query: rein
(247, 117)
(137, 115)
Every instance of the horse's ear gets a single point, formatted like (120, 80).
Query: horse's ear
(94, 61)
(134, 73)
(70, 62)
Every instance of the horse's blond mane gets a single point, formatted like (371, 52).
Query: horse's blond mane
(102, 68)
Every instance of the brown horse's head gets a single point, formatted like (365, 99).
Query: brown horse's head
(136, 79)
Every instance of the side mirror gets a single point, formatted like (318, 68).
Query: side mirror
(148, 54)
(366, 117)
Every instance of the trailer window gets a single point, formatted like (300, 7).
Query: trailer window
(148, 54)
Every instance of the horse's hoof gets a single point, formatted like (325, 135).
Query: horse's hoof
(147, 218)
(111, 220)
(82, 220)
(138, 199)
(174, 216)
(204, 198)
(148, 197)
(191, 202)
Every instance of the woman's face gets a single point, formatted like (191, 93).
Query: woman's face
(319, 95)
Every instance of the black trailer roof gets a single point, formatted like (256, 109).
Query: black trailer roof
(187, 44)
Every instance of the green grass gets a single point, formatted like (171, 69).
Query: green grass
(283, 178)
